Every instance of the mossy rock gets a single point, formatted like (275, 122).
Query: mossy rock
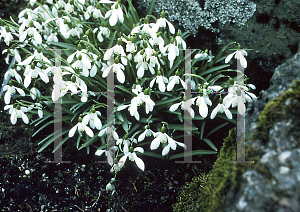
(209, 192)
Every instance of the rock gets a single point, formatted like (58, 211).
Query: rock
(272, 141)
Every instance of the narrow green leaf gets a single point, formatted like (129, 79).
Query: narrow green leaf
(45, 125)
(210, 144)
(112, 40)
(180, 117)
(194, 75)
(52, 138)
(150, 8)
(64, 45)
(167, 101)
(119, 116)
(192, 153)
(179, 127)
(122, 88)
(89, 142)
(60, 144)
(215, 129)
(214, 69)
(78, 141)
(152, 154)
(202, 129)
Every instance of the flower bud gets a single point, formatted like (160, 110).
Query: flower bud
(178, 32)
(162, 14)
(163, 129)
(92, 110)
(65, 21)
(147, 91)
(231, 81)
(204, 86)
(117, 60)
(125, 136)
(220, 100)
(132, 39)
(116, 160)
(177, 73)
(156, 54)
(18, 107)
(119, 41)
(28, 6)
(26, 15)
(206, 51)
(31, 23)
(116, 7)
(10, 83)
(112, 182)
(13, 66)
(15, 105)
(142, 52)
(172, 40)
(73, 79)
(79, 48)
(146, 20)
(79, 57)
(71, 2)
(145, 44)
(79, 119)
(131, 149)
(32, 66)
(158, 73)
(239, 46)
(59, 13)
(137, 81)
(87, 32)
(98, 6)
(39, 49)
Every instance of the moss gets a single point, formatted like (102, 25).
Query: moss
(225, 177)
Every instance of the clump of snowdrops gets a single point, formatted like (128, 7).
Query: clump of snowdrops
(147, 57)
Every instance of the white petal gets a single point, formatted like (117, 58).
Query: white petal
(88, 131)
(139, 149)
(228, 58)
(120, 75)
(37, 37)
(174, 107)
(228, 113)
(139, 162)
(214, 113)
(142, 136)
(122, 107)
(72, 131)
(155, 143)
(171, 142)
(99, 152)
(166, 150)
(171, 27)
(113, 18)
(25, 118)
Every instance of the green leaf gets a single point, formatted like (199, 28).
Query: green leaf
(112, 40)
(50, 140)
(194, 75)
(215, 129)
(45, 125)
(64, 45)
(167, 101)
(60, 144)
(179, 127)
(122, 88)
(210, 144)
(119, 116)
(214, 69)
(192, 153)
(202, 129)
(152, 154)
(133, 12)
(134, 128)
(89, 142)
(150, 8)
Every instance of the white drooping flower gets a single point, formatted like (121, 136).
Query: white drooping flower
(160, 80)
(162, 137)
(133, 157)
(81, 127)
(239, 55)
(115, 14)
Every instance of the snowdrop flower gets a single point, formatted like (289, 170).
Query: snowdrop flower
(130, 45)
(161, 22)
(144, 28)
(220, 109)
(93, 119)
(185, 105)
(8, 37)
(153, 62)
(204, 56)
(202, 101)
(175, 80)
(52, 37)
(133, 157)
(10, 91)
(126, 142)
(239, 55)
(81, 127)
(157, 40)
(17, 112)
(115, 14)
(160, 80)
(38, 54)
(31, 31)
(102, 31)
(13, 73)
(34, 92)
(12, 52)
(69, 8)
(117, 49)
(38, 106)
(148, 132)
(110, 186)
(173, 51)
(117, 68)
(180, 40)
(109, 130)
(162, 137)
(32, 71)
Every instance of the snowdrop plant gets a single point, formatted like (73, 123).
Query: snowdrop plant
(145, 56)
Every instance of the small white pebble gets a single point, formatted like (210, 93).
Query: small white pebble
(284, 170)
(27, 172)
